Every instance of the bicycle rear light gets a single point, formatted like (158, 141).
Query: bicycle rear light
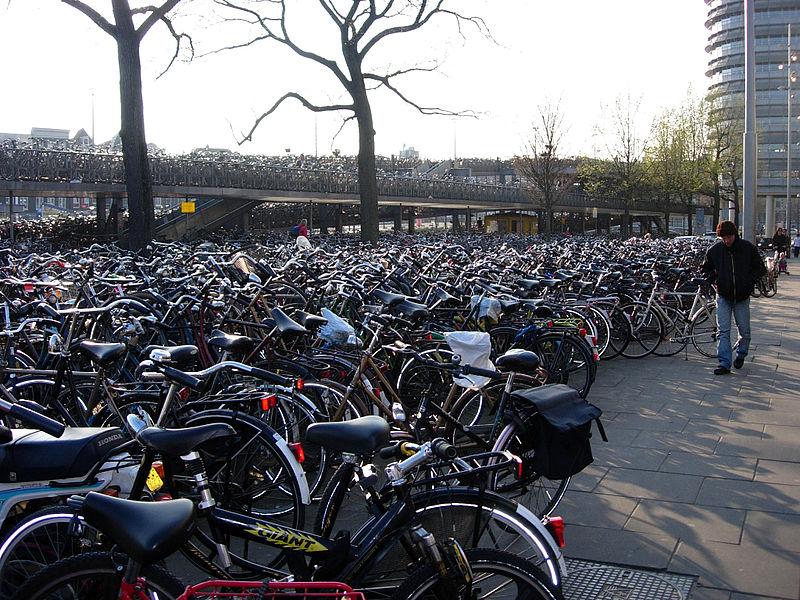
(555, 525)
(183, 393)
(268, 402)
(297, 450)
(299, 384)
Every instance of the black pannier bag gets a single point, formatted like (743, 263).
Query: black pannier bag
(557, 428)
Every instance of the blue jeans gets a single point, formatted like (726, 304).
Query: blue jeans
(741, 312)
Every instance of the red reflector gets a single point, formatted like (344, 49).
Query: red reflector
(268, 402)
(297, 450)
(519, 469)
(555, 525)
(112, 491)
(582, 332)
(28, 287)
(550, 323)
(429, 337)
(299, 384)
(163, 497)
(183, 393)
(158, 467)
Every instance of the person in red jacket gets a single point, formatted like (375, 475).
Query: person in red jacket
(302, 228)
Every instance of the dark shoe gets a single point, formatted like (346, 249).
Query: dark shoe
(739, 362)
(722, 371)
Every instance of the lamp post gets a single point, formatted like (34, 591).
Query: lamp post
(791, 77)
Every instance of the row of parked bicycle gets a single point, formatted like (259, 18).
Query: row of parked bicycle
(403, 419)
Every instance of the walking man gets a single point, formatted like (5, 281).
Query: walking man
(732, 266)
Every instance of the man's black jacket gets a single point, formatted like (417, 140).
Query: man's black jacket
(735, 270)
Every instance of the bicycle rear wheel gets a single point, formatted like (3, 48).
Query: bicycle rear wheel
(495, 574)
(647, 330)
(704, 333)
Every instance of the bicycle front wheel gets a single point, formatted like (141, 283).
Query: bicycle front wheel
(496, 574)
(94, 575)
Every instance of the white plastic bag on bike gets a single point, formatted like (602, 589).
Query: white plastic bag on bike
(336, 331)
(474, 348)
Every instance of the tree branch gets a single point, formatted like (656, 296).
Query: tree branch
(425, 110)
(303, 101)
(155, 16)
(95, 16)
(284, 39)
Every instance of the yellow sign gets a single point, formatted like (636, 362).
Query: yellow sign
(286, 539)
(187, 207)
(154, 481)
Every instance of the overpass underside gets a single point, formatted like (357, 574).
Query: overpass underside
(225, 206)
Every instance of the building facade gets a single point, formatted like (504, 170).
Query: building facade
(777, 94)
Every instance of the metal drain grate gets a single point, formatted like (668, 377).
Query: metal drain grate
(598, 581)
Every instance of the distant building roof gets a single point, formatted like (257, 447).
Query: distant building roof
(49, 133)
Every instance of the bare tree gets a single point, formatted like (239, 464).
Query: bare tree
(128, 37)
(546, 175)
(625, 149)
(359, 27)
(663, 161)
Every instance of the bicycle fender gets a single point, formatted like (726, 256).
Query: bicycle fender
(283, 447)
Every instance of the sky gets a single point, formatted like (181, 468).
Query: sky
(581, 54)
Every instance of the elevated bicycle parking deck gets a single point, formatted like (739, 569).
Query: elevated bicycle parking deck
(25, 172)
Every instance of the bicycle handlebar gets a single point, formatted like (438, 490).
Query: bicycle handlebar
(32, 418)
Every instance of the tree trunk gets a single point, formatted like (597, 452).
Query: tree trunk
(625, 229)
(689, 215)
(666, 222)
(717, 206)
(138, 180)
(548, 219)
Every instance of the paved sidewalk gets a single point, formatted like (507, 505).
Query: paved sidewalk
(702, 473)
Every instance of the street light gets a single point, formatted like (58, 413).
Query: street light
(791, 77)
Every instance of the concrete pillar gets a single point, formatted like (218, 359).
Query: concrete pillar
(11, 216)
(770, 216)
(398, 219)
(468, 219)
(456, 222)
(339, 220)
(412, 220)
(101, 214)
(244, 221)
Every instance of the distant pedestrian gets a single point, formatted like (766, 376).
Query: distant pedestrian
(732, 266)
(300, 229)
(796, 245)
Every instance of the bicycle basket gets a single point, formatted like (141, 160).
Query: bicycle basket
(272, 590)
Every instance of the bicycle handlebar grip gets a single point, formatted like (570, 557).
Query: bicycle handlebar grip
(468, 370)
(271, 377)
(184, 379)
(389, 452)
(37, 421)
(444, 449)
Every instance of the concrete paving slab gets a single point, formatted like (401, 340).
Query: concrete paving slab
(738, 445)
(750, 495)
(634, 483)
(773, 471)
(687, 522)
(619, 547)
(604, 511)
(772, 530)
(649, 459)
(708, 465)
(744, 568)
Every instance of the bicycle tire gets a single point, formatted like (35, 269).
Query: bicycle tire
(704, 334)
(544, 494)
(620, 333)
(487, 566)
(98, 569)
(38, 541)
(674, 339)
(568, 359)
(647, 330)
